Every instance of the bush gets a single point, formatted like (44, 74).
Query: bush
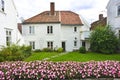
(37, 50)
(47, 50)
(15, 53)
(103, 40)
(1, 59)
(60, 50)
(82, 50)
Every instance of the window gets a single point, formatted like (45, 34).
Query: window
(32, 44)
(8, 37)
(83, 43)
(50, 45)
(118, 11)
(49, 29)
(75, 42)
(31, 30)
(2, 5)
(75, 29)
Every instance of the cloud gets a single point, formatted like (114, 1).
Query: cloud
(90, 9)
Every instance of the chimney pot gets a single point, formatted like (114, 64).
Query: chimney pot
(52, 8)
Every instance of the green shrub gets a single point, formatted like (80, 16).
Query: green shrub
(15, 53)
(47, 50)
(104, 40)
(82, 50)
(1, 59)
(37, 50)
(60, 50)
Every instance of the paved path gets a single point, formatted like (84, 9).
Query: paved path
(54, 56)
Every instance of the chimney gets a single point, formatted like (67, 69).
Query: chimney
(101, 16)
(52, 8)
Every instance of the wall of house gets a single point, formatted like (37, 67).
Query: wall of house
(112, 17)
(8, 20)
(68, 36)
(41, 37)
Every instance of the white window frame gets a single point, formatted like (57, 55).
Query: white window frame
(8, 37)
(31, 30)
(32, 44)
(49, 29)
(50, 44)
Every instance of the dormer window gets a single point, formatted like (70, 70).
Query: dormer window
(118, 11)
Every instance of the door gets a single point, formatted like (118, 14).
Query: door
(63, 46)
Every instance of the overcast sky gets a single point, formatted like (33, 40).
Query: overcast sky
(89, 9)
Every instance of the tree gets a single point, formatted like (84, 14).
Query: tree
(103, 40)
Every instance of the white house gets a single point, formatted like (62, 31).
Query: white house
(113, 15)
(53, 29)
(8, 23)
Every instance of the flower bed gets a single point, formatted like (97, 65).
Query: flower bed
(42, 70)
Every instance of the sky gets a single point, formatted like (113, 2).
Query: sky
(88, 9)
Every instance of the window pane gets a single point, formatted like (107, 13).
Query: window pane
(118, 10)
(75, 43)
(2, 5)
(48, 29)
(75, 29)
(51, 29)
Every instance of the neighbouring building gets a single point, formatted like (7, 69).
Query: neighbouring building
(53, 29)
(113, 15)
(85, 34)
(8, 23)
(102, 22)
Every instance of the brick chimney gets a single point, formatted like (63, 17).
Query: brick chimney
(101, 16)
(52, 8)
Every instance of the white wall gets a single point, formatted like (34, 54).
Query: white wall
(112, 18)
(41, 37)
(68, 36)
(8, 20)
(61, 33)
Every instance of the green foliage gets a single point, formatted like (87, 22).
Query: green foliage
(82, 50)
(60, 50)
(103, 40)
(47, 50)
(14, 53)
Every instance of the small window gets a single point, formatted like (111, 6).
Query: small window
(118, 11)
(32, 44)
(49, 29)
(31, 30)
(75, 43)
(50, 45)
(8, 37)
(75, 29)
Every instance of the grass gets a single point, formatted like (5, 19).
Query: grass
(40, 56)
(74, 56)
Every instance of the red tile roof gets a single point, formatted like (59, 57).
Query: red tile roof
(63, 17)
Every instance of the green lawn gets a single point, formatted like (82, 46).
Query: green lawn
(40, 56)
(74, 56)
